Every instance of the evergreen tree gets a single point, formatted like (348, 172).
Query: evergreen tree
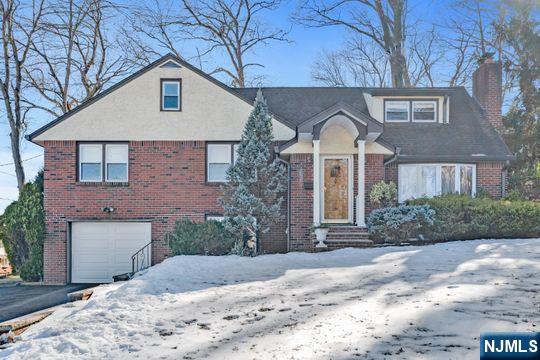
(520, 36)
(253, 196)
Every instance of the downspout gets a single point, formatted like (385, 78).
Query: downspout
(288, 164)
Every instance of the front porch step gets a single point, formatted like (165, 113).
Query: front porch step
(351, 243)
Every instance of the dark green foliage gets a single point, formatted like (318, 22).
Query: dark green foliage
(520, 37)
(399, 224)
(204, 238)
(23, 230)
(460, 217)
(253, 196)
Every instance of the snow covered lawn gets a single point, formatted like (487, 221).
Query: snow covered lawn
(395, 302)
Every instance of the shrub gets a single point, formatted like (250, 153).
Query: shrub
(383, 194)
(398, 224)
(460, 217)
(203, 238)
(23, 230)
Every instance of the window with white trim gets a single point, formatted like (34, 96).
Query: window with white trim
(209, 217)
(116, 162)
(170, 95)
(427, 180)
(220, 156)
(90, 162)
(396, 111)
(424, 111)
(103, 161)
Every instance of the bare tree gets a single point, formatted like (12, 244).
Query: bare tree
(20, 25)
(74, 57)
(359, 64)
(232, 26)
(381, 21)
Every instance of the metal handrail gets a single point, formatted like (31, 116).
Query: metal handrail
(141, 259)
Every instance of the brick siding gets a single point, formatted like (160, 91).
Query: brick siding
(487, 89)
(166, 183)
(302, 197)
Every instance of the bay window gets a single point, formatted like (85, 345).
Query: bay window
(427, 180)
(219, 157)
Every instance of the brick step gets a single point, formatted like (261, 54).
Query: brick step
(351, 243)
(347, 229)
(357, 241)
(347, 233)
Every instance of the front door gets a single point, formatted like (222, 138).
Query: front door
(336, 189)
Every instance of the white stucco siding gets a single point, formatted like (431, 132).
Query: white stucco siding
(306, 147)
(132, 112)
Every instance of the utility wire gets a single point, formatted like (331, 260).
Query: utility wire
(30, 158)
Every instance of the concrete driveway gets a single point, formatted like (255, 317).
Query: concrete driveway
(19, 300)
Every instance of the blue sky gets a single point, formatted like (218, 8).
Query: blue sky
(285, 64)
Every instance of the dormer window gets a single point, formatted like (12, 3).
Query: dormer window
(424, 111)
(396, 111)
(413, 110)
(170, 95)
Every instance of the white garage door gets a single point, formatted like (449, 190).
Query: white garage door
(100, 250)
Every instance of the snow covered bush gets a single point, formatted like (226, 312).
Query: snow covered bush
(204, 238)
(461, 217)
(399, 224)
(256, 182)
(383, 194)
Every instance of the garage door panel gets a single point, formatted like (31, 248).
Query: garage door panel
(101, 250)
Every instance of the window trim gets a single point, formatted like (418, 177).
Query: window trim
(103, 177)
(411, 102)
(438, 177)
(386, 101)
(214, 215)
(79, 163)
(105, 163)
(207, 164)
(435, 111)
(162, 95)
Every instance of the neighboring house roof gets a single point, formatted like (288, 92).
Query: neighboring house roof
(467, 136)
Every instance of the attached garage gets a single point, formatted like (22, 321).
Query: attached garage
(100, 250)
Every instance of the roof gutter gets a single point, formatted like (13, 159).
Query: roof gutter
(288, 164)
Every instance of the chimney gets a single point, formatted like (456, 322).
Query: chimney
(487, 89)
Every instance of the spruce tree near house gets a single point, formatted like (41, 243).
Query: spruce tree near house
(253, 196)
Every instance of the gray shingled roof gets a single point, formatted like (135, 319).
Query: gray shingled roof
(467, 135)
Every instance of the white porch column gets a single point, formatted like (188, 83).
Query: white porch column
(316, 183)
(361, 197)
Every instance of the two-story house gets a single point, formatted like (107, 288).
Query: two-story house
(121, 168)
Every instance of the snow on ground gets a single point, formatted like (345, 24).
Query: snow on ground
(396, 302)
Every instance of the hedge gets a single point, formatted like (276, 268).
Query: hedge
(399, 224)
(200, 238)
(461, 217)
(23, 230)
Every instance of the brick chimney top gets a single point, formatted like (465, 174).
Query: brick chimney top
(487, 89)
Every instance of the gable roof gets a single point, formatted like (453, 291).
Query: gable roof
(165, 61)
(467, 135)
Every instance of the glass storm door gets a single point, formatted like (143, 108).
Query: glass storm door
(336, 189)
